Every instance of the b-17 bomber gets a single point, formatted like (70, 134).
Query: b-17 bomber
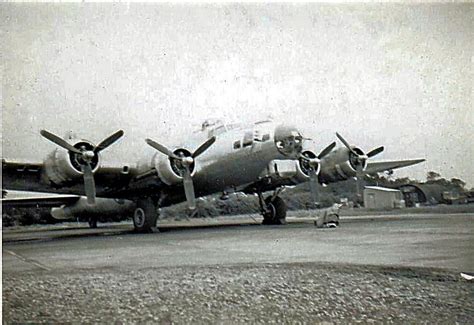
(220, 158)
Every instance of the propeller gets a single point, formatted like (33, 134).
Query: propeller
(313, 175)
(359, 157)
(85, 158)
(185, 164)
(359, 160)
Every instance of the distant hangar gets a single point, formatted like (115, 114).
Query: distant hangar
(431, 194)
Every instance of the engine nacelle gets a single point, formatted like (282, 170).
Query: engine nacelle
(298, 171)
(169, 170)
(63, 168)
(102, 207)
(339, 165)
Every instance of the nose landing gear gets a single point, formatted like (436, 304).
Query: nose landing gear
(328, 218)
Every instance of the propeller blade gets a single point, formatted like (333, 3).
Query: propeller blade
(59, 141)
(346, 144)
(313, 187)
(203, 147)
(189, 189)
(376, 151)
(161, 148)
(89, 183)
(108, 141)
(326, 150)
(359, 183)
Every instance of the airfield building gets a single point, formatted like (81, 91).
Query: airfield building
(376, 197)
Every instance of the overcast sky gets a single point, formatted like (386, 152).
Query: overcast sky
(380, 74)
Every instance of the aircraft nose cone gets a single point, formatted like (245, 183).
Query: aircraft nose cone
(288, 140)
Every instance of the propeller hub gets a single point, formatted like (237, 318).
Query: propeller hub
(187, 161)
(313, 162)
(88, 155)
(309, 162)
(357, 159)
(181, 160)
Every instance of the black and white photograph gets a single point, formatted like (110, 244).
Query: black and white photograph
(237, 162)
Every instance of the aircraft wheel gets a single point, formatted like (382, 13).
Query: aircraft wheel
(145, 215)
(276, 214)
(93, 222)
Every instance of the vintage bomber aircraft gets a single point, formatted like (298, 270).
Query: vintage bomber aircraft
(253, 158)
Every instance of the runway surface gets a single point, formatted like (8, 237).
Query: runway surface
(424, 241)
(391, 269)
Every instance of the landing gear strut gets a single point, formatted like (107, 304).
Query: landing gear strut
(145, 215)
(93, 222)
(273, 210)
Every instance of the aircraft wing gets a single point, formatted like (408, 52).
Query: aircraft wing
(39, 201)
(27, 176)
(380, 166)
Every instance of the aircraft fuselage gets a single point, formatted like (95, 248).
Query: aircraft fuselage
(239, 156)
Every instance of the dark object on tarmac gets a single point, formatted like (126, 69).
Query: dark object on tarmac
(330, 221)
(328, 218)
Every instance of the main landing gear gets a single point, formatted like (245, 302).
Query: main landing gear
(145, 215)
(273, 209)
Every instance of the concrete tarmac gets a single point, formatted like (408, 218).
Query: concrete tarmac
(439, 241)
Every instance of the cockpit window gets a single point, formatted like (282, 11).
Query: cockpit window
(217, 127)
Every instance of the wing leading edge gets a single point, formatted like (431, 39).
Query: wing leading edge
(47, 201)
(380, 166)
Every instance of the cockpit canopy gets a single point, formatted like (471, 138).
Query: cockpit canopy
(215, 127)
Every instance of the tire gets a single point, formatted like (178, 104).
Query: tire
(145, 216)
(277, 211)
(93, 222)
